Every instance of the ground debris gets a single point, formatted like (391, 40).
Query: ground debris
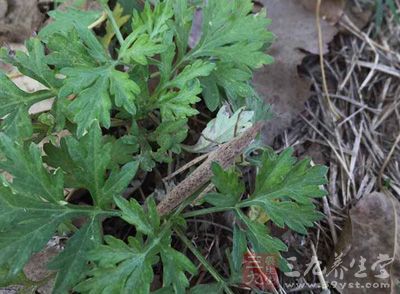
(281, 84)
(19, 19)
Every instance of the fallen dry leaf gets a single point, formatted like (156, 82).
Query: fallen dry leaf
(19, 19)
(280, 83)
(222, 129)
(360, 16)
(38, 278)
(371, 234)
(36, 269)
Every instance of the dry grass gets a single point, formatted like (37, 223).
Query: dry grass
(362, 147)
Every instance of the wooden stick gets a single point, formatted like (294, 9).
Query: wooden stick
(224, 155)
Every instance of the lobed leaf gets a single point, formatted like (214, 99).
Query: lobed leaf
(225, 36)
(229, 186)
(281, 177)
(26, 224)
(133, 213)
(29, 176)
(175, 264)
(175, 105)
(127, 268)
(17, 124)
(197, 69)
(72, 261)
(169, 135)
(285, 189)
(91, 80)
(86, 160)
(32, 63)
(153, 21)
(63, 21)
(142, 49)
(12, 97)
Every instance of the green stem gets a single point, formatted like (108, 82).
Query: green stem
(206, 211)
(241, 216)
(204, 261)
(92, 210)
(156, 241)
(181, 62)
(114, 24)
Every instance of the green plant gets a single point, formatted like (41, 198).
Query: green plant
(123, 107)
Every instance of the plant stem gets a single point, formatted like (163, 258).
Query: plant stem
(206, 211)
(114, 24)
(92, 210)
(203, 261)
(102, 18)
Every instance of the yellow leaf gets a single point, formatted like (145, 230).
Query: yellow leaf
(257, 214)
(120, 20)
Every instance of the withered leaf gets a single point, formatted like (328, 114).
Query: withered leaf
(371, 242)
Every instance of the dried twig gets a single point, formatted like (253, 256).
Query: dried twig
(224, 155)
(321, 58)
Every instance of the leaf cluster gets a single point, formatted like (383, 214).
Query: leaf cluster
(284, 191)
(123, 97)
